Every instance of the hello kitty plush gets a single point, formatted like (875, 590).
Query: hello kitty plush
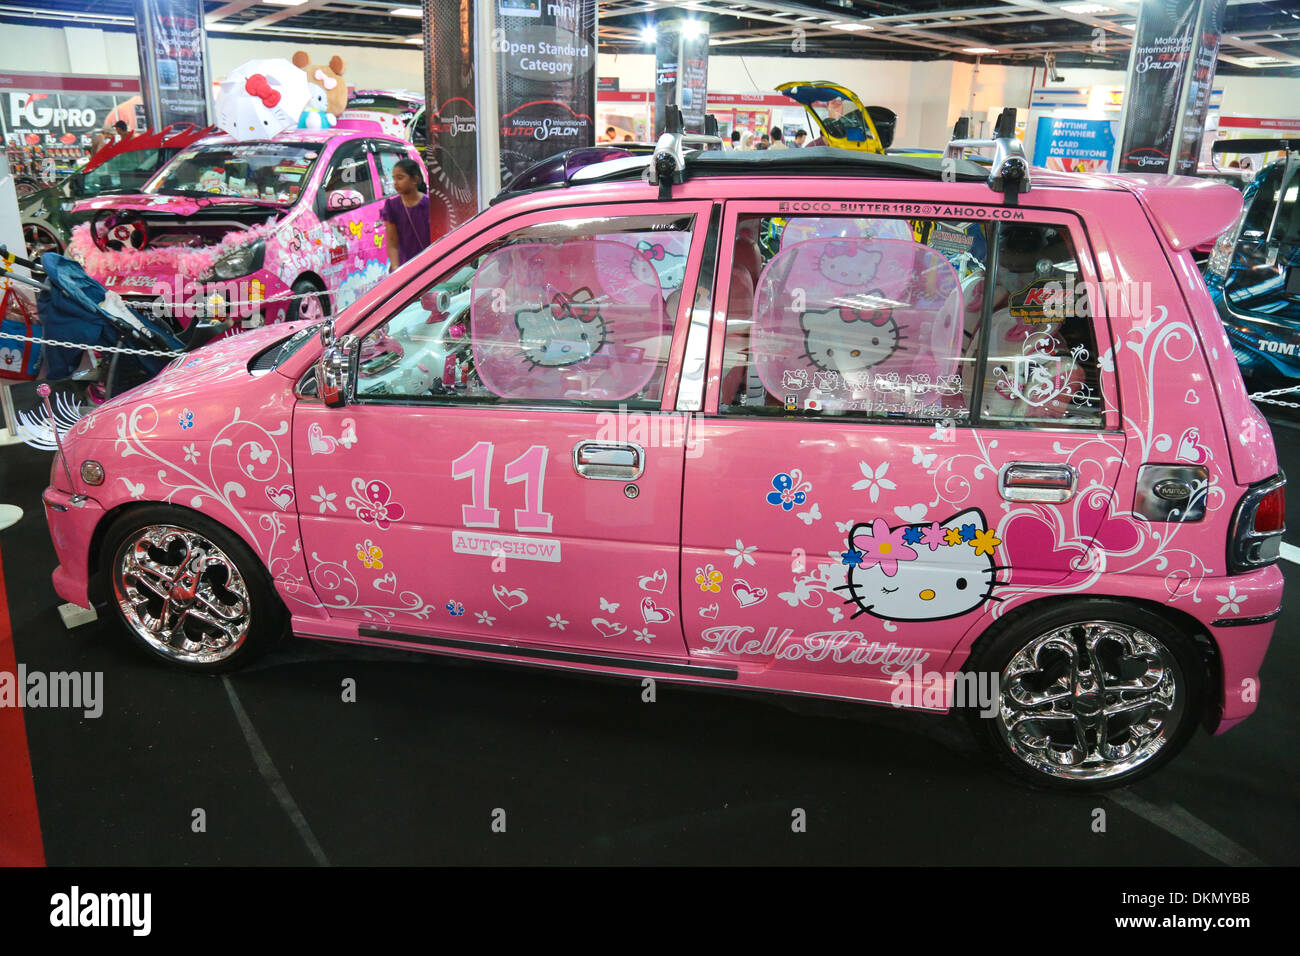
(329, 92)
(565, 331)
(921, 572)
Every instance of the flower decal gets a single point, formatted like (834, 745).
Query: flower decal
(742, 553)
(885, 548)
(933, 536)
(191, 453)
(1231, 602)
(709, 579)
(186, 419)
(643, 634)
(325, 499)
(557, 621)
(372, 502)
(873, 480)
(984, 542)
(455, 608)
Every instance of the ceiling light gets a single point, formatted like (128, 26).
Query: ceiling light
(649, 34)
(979, 49)
(692, 28)
(418, 38)
(1085, 8)
(1259, 60)
(1127, 26)
(407, 12)
(287, 3)
(852, 26)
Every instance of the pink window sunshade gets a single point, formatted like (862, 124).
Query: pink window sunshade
(852, 322)
(581, 319)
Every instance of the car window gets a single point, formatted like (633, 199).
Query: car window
(125, 172)
(576, 313)
(843, 316)
(349, 172)
(1042, 359)
(388, 156)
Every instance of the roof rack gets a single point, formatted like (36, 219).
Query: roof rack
(1010, 172)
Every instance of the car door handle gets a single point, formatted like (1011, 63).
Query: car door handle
(609, 461)
(1035, 481)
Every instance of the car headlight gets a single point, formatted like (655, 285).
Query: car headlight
(242, 261)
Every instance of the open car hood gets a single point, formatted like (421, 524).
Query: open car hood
(860, 136)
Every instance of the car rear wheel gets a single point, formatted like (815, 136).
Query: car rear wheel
(189, 591)
(1092, 695)
(40, 239)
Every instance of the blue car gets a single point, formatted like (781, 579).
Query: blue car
(1254, 271)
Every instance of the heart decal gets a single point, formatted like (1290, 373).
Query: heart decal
(387, 583)
(281, 497)
(911, 513)
(747, 596)
(607, 628)
(318, 443)
(654, 582)
(651, 613)
(509, 599)
(711, 612)
(1191, 398)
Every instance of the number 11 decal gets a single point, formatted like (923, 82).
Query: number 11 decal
(530, 468)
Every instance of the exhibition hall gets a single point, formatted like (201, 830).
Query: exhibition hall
(413, 417)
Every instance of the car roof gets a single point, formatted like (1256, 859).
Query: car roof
(318, 136)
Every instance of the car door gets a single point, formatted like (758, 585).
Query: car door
(851, 509)
(349, 206)
(511, 468)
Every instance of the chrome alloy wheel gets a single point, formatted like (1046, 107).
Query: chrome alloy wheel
(1089, 700)
(182, 594)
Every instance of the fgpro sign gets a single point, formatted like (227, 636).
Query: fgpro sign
(49, 111)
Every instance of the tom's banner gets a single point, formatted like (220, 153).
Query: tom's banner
(546, 78)
(1167, 96)
(174, 71)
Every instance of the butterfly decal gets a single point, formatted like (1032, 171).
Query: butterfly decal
(812, 514)
(607, 606)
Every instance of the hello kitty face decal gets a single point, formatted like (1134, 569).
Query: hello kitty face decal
(669, 266)
(849, 264)
(848, 340)
(564, 331)
(921, 572)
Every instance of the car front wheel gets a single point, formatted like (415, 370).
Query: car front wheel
(189, 591)
(1092, 695)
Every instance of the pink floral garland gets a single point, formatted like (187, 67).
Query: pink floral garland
(182, 261)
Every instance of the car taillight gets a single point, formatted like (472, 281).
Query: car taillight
(1258, 525)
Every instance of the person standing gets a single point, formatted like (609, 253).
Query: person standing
(406, 215)
(735, 139)
(778, 138)
(800, 137)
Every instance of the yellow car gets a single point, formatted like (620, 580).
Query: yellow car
(839, 114)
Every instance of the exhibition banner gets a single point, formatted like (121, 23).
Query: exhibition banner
(451, 155)
(1200, 79)
(41, 118)
(681, 73)
(173, 47)
(1074, 145)
(546, 78)
(1168, 83)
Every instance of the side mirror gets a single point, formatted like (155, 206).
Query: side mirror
(343, 199)
(336, 372)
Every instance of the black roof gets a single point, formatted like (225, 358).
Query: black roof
(829, 161)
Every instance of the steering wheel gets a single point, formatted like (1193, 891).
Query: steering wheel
(114, 231)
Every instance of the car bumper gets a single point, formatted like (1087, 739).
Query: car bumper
(72, 521)
(1242, 637)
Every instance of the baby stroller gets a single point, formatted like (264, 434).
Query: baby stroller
(73, 307)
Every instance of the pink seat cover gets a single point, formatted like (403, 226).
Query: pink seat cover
(582, 319)
(859, 320)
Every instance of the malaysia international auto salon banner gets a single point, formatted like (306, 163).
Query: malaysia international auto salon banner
(451, 156)
(681, 73)
(174, 61)
(1200, 80)
(546, 79)
(1164, 82)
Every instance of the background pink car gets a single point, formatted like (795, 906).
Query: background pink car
(251, 222)
(778, 432)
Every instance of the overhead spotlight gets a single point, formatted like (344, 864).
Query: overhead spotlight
(1052, 75)
(692, 28)
(649, 34)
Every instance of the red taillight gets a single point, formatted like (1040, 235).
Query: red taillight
(1270, 514)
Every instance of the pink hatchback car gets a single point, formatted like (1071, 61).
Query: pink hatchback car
(849, 426)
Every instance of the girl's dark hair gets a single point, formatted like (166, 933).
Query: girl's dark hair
(412, 169)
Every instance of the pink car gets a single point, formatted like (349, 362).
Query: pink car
(287, 227)
(855, 427)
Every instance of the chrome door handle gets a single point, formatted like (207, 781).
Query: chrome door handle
(1035, 481)
(609, 461)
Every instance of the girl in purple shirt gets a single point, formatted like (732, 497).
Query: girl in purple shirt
(406, 214)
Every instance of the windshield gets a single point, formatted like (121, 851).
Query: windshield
(382, 104)
(275, 172)
(124, 173)
(842, 119)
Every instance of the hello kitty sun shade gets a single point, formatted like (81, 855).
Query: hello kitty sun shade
(852, 323)
(580, 319)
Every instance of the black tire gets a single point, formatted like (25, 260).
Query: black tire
(303, 287)
(256, 616)
(1037, 749)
